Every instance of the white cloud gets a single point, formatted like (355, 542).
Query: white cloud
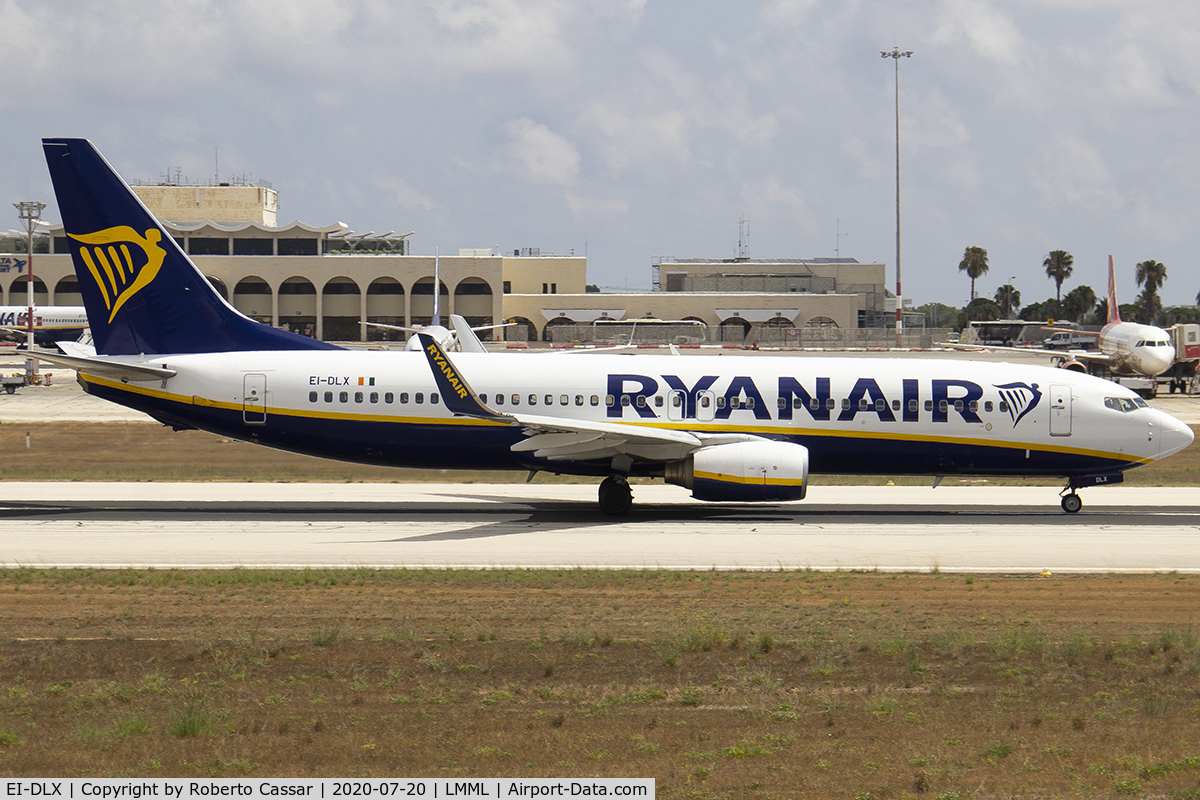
(989, 32)
(403, 195)
(587, 207)
(1073, 171)
(541, 155)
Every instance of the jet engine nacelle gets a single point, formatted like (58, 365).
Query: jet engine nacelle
(744, 471)
(1074, 366)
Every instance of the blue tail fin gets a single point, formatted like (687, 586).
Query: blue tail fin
(142, 293)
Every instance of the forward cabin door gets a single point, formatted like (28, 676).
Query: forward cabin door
(1060, 410)
(254, 399)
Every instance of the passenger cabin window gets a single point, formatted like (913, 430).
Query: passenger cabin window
(433, 398)
(329, 397)
(374, 397)
(343, 397)
(595, 399)
(533, 399)
(516, 399)
(578, 399)
(312, 397)
(388, 397)
(419, 397)
(404, 397)
(358, 397)
(929, 405)
(912, 405)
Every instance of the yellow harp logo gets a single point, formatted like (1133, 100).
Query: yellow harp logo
(121, 262)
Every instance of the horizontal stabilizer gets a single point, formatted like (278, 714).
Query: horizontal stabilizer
(109, 369)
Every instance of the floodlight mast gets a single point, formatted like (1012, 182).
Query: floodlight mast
(30, 214)
(896, 54)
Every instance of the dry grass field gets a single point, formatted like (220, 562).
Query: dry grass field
(718, 685)
(721, 685)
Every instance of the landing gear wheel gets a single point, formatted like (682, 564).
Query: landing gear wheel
(1071, 503)
(616, 497)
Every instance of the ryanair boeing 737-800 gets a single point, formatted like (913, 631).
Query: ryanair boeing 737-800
(728, 428)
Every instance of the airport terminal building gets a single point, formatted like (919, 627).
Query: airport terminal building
(327, 281)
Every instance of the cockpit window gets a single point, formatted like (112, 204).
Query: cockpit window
(1124, 404)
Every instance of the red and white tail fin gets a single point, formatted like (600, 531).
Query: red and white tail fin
(1114, 313)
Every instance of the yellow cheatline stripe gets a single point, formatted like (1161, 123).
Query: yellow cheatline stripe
(196, 400)
(749, 479)
(755, 430)
(763, 430)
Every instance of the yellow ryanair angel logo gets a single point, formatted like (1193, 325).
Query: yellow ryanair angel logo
(119, 272)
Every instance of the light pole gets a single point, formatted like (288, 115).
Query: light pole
(896, 54)
(30, 214)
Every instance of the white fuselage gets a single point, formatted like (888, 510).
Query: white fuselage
(867, 416)
(1137, 349)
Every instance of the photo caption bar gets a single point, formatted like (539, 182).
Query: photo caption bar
(324, 788)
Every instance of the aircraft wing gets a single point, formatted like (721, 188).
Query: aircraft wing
(1079, 355)
(101, 366)
(565, 439)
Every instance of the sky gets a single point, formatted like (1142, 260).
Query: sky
(633, 129)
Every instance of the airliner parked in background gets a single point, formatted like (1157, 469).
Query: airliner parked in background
(1126, 348)
(728, 428)
(50, 323)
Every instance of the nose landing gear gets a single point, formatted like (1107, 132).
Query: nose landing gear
(1071, 502)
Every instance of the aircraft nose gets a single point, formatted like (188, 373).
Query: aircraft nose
(1175, 436)
(1158, 360)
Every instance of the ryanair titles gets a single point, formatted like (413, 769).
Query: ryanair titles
(938, 399)
(439, 361)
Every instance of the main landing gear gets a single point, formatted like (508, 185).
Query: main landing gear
(616, 496)
(1071, 502)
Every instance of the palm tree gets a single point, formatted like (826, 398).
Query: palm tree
(1078, 303)
(1151, 275)
(1058, 266)
(1009, 299)
(974, 263)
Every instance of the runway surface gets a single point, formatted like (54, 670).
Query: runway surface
(988, 529)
